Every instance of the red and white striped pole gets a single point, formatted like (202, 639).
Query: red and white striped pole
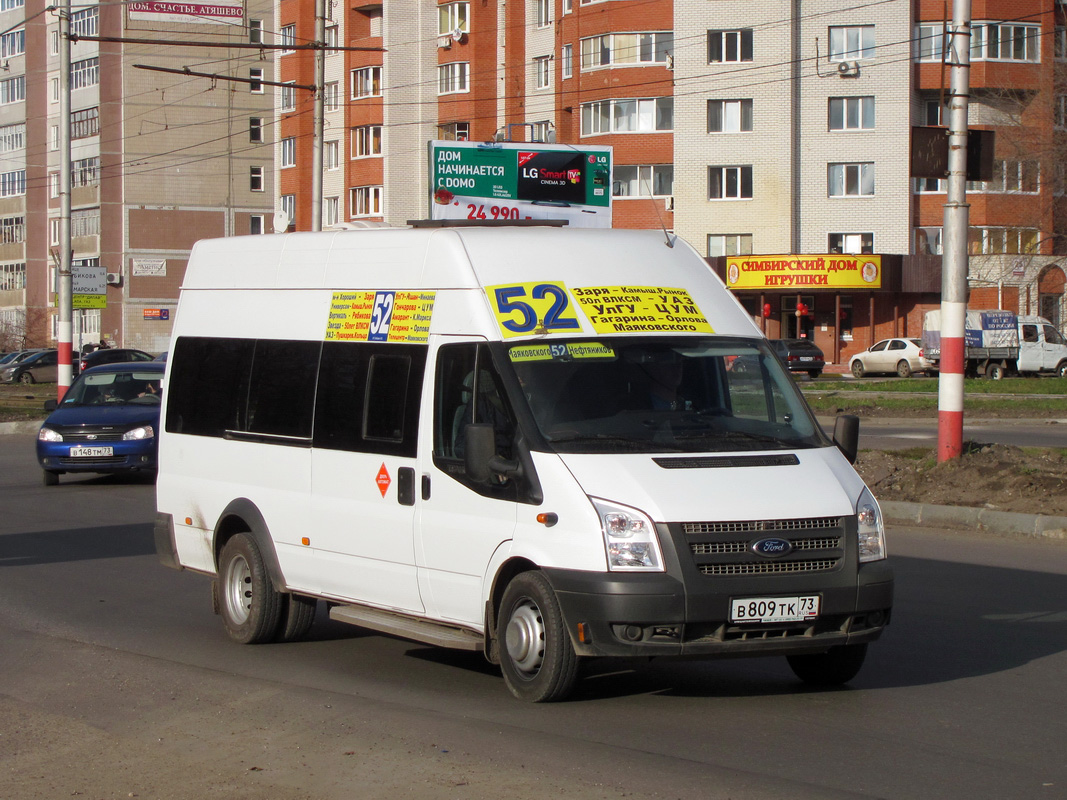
(954, 252)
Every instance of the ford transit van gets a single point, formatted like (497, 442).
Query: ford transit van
(524, 441)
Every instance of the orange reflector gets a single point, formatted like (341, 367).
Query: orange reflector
(305, 540)
(188, 520)
(583, 635)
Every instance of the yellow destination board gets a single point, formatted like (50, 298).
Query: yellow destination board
(379, 316)
(640, 309)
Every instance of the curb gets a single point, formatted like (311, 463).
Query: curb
(25, 426)
(979, 519)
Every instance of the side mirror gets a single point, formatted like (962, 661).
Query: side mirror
(480, 458)
(50, 405)
(847, 436)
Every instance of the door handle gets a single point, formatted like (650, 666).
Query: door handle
(405, 486)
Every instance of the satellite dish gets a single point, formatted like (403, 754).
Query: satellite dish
(281, 222)
(457, 35)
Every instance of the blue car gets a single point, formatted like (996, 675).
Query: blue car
(108, 422)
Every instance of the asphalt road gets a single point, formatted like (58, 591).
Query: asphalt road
(117, 681)
(895, 434)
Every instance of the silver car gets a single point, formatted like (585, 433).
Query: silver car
(901, 356)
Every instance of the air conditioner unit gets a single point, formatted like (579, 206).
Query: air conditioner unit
(668, 202)
(113, 278)
(444, 42)
(848, 69)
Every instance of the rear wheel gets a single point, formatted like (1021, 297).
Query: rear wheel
(836, 666)
(995, 372)
(857, 369)
(814, 373)
(249, 605)
(1061, 370)
(536, 654)
(904, 369)
(26, 378)
(298, 613)
(51, 478)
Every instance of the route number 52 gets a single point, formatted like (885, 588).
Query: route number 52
(533, 307)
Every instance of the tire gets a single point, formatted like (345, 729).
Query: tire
(903, 369)
(536, 654)
(1061, 370)
(814, 373)
(51, 478)
(836, 666)
(994, 372)
(857, 369)
(248, 604)
(26, 379)
(298, 613)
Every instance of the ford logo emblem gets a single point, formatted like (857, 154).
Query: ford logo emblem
(772, 548)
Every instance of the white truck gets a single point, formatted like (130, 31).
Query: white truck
(999, 343)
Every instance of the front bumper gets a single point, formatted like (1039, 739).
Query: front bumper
(127, 456)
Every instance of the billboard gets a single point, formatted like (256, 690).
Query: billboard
(506, 180)
(167, 11)
(830, 271)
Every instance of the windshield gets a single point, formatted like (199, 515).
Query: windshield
(663, 394)
(115, 388)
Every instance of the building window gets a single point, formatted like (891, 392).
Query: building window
(853, 243)
(12, 230)
(851, 180)
(992, 41)
(85, 172)
(453, 78)
(930, 42)
(287, 205)
(366, 82)
(730, 183)
(255, 129)
(85, 123)
(256, 224)
(255, 31)
(85, 222)
(567, 61)
(1002, 241)
(628, 116)
(453, 17)
(255, 78)
(330, 157)
(13, 183)
(454, 131)
(12, 277)
(287, 38)
(729, 46)
(9, 5)
(851, 113)
(933, 112)
(929, 185)
(729, 116)
(1015, 177)
(287, 101)
(1060, 43)
(13, 43)
(543, 71)
(729, 244)
(541, 131)
(255, 179)
(331, 31)
(366, 201)
(367, 141)
(85, 73)
(616, 49)
(543, 13)
(331, 96)
(13, 90)
(84, 22)
(851, 42)
(331, 210)
(288, 152)
(651, 180)
(12, 137)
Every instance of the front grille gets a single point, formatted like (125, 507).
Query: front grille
(92, 436)
(770, 567)
(725, 549)
(97, 461)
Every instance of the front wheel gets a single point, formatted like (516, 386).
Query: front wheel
(536, 656)
(249, 605)
(904, 369)
(836, 666)
(26, 379)
(857, 369)
(1061, 370)
(51, 478)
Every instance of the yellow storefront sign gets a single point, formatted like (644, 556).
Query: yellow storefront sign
(833, 271)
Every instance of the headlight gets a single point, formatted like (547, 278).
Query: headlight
(870, 528)
(629, 537)
(144, 432)
(49, 435)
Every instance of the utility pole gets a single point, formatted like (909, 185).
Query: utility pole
(954, 258)
(319, 115)
(65, 289)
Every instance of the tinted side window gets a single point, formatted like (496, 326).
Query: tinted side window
(208, 385)
(281, 390)
(368, 398)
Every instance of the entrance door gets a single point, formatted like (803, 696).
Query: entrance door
(794, 327)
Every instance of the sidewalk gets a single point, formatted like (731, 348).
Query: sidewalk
(1003, 523)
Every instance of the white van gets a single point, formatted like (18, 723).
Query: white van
(539, 443)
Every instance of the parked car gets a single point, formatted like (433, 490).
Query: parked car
(9, 359)
(902, 356)
(108, 422)
(800, 355)
(40, 367)
(107, 356)
(161, 357)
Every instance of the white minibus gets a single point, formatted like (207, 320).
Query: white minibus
(538, 443)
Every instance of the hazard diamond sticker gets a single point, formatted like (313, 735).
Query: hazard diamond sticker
(383, 480)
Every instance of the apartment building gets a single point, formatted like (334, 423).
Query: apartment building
(159, 159)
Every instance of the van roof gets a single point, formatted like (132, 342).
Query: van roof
(436, 259)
